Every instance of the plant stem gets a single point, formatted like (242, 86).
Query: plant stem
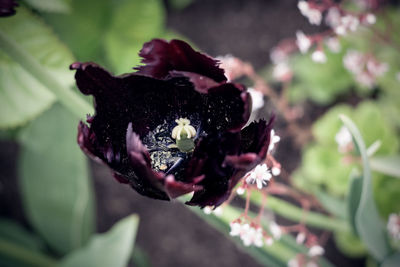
(74, 103)
(23, 255)
(295, 213)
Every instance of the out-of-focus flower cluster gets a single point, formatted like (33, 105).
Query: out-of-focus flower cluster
(393, 226)
(365, 68)
(340, 23)
(253, 234)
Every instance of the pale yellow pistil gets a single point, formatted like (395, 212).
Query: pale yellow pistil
(184, 133)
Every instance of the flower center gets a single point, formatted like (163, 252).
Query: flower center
(184, 134)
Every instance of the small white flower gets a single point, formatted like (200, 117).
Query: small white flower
(303, 42)
(377, 68)
(252, 236)
(275, 230)
(314, 15)
(240, 190)
(343, 138)
(207, 210)
(300, 238)
(333, 17)
(365, 79)
(274, 140)
(311, 264)
(347, 23)
(333, 44)
(293, 263)
(303, 7)
(278, 55)
(269, 241)
(316, 251)
(259, 176)
(393, 226)
(218, 211)
(318, 56)
(282, 71)
(257, 98)
(236, 229)
(276, 171)
(370, 18)
(354, 61)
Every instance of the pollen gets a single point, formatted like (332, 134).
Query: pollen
(183, 129)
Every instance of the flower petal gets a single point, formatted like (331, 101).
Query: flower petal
(162, 57)
(208, 158)
(176, 189)
(7, 8)
(226, 107)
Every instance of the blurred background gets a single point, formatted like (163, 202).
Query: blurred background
(111, 34)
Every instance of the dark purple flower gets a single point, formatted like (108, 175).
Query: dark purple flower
(7, 8)
(172, 127)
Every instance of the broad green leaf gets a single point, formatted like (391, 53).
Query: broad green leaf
(392, 260)
(56, 6)
(14, 254)
(18, 247)
(22, 96)
(368, 112)
(387, 194)
(113, 248)
(54, 180)
(368, 223)
(321, 83)
(389, 165)
(323, 165)
(328, 125)
(12, 231)
(132, 24)
(86, 38)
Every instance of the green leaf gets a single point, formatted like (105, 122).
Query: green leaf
(389, 165)
(349, 244)
(392, 261)
(18, 247)
(320, 82)
(132, 24)
(13, 254)
(295, 213)
(333, 205)
(56, 6)
(353, 198)
(368, 223)
(22, 96)
(86, 38)
(180, 4)
(113, 248)
(12, 231)
(54, 180)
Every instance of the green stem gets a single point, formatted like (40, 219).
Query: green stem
(67, 97)
(295, 213)
(23, 255)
